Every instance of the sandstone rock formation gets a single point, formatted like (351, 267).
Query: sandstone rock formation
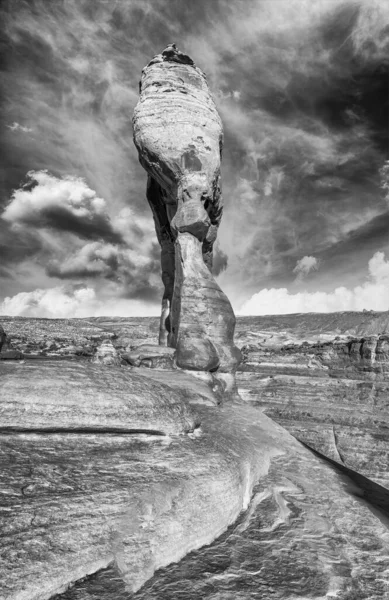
(154, 357)
(90, 485)
(324, 381)
(106, 354)
(3, 337)
(75, 504)
(71, 396)
(7, 352)
(179, 137)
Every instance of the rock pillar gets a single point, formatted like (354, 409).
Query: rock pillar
(179, 137)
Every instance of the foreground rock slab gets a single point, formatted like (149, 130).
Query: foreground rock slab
(101, 512)
(73, 504)
(67, 395)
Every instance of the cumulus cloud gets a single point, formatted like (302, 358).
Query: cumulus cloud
(59, 214)
(66, 204)
(136, 274)
(92, 260)
(373, 295)
(304, 266)
(58, 302)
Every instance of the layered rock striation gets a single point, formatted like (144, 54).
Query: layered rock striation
(325, 378)
(179, 137)
(119, 471)
(71, 396)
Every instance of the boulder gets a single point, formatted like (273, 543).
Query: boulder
(197, 354)
(106, 354)
(151, 356)
(6, 351)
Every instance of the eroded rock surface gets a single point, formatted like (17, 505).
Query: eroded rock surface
(67, 395)
(152, 356)
(323, 380)
(84, 499)
(3, 337)
(305, 532)
(179, 136)
(106, 354)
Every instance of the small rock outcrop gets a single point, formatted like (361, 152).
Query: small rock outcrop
(179, 137)
(6, 351)
(152, 357)
(106, 354)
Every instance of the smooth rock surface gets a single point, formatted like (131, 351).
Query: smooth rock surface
(305, 533)
(206, 322)
(67, 395)
(73, 503)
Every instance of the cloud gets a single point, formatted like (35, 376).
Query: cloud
(17, 127)
(135, 274)
(301, 86)
(66, 204)
(92, 260)
(59, 302)
(54, 216)
(384, 174)
(373, 295)
(304, 266)
(220, 260)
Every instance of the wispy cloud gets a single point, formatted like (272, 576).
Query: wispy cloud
(17, 127)
(302, 89)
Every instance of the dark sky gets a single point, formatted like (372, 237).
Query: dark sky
(302, 87)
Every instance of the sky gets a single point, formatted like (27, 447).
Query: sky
(302, 87)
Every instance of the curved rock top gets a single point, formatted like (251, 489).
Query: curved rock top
(177, 129)
(172, 54)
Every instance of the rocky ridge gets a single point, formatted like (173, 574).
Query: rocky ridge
(329, 389)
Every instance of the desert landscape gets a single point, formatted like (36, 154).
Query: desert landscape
(194, 455)
(111, 472)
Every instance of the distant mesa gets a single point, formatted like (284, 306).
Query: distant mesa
(179, 137)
